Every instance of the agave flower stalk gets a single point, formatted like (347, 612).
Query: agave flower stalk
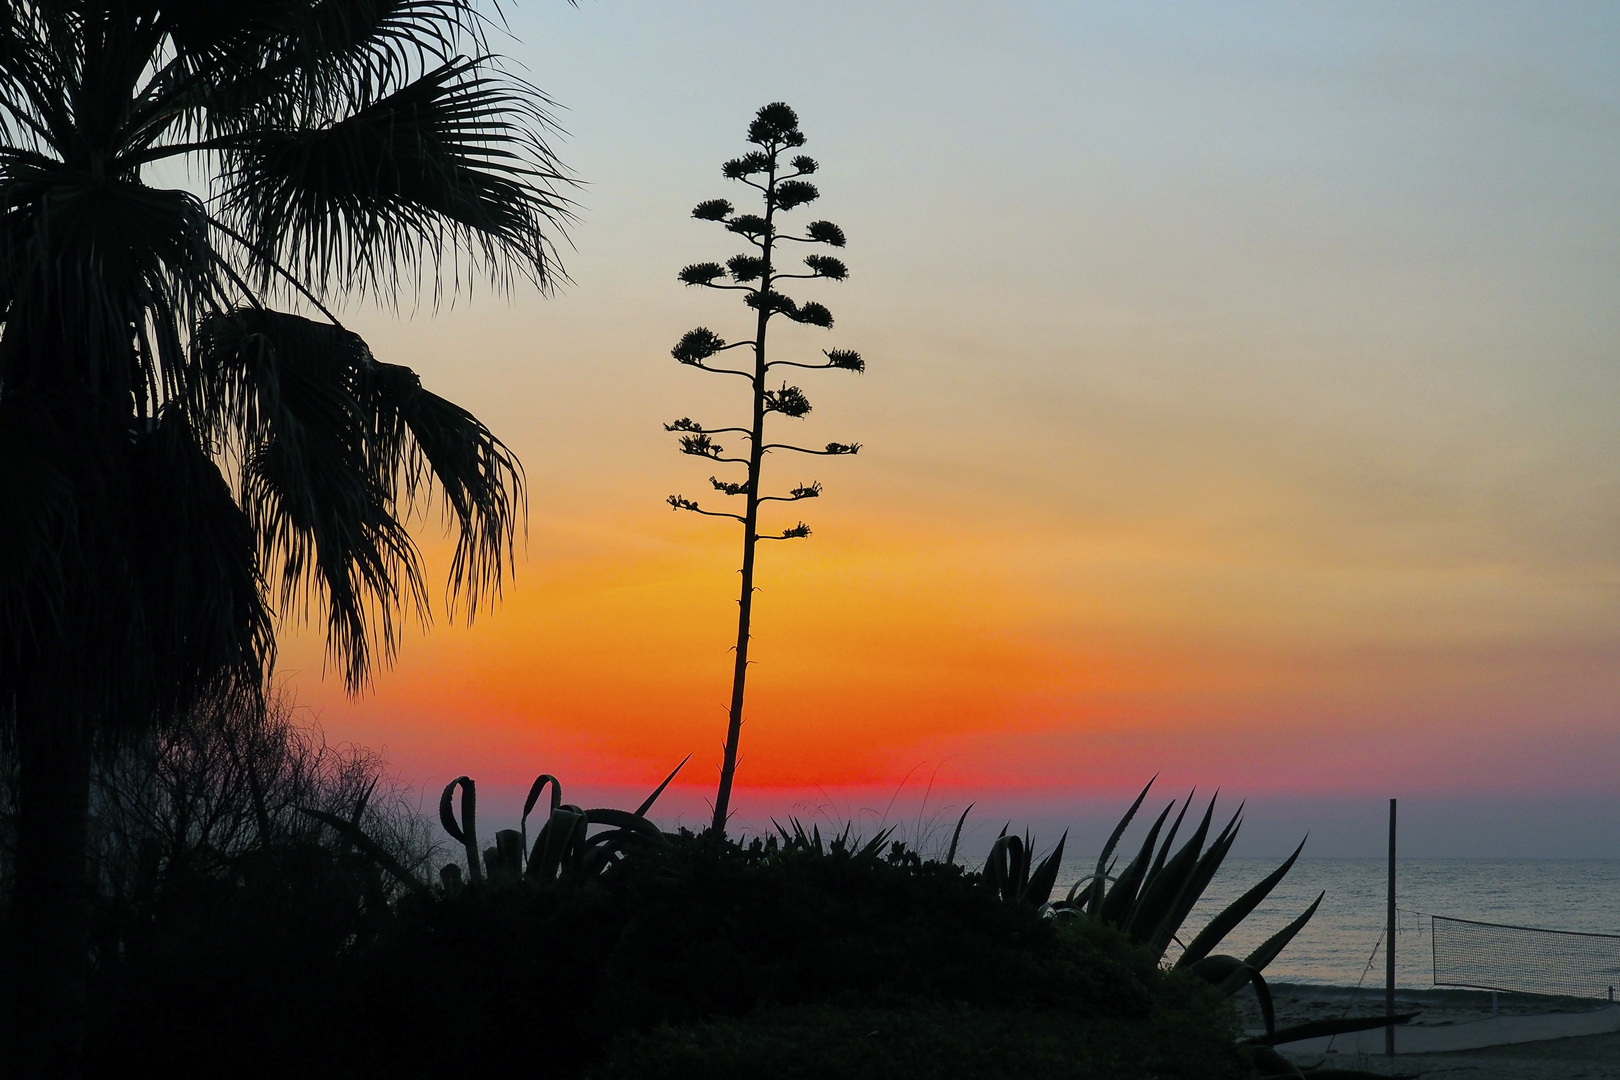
(759, 276)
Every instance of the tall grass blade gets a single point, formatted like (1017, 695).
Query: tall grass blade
(956, 834)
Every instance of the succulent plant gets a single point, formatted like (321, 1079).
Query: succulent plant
(1152, 897)
(564, 847)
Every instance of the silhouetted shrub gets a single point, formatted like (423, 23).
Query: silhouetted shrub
(220, 909)
(726, 937)
(698, 957)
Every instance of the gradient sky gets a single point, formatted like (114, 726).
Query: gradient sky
(1241, 404)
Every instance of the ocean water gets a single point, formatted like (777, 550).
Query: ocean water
(1335, 947)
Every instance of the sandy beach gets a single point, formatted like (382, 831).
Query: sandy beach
(1590, 1056)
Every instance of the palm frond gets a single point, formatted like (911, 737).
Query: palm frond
(438, 443)
(288, 393)
(449, 166)
(98, 275)
(297, 62)
(196, 569)
(127, 548)
(335, 450)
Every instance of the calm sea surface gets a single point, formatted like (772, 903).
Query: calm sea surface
(1335, 946)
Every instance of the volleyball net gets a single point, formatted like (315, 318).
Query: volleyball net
(1522, 959)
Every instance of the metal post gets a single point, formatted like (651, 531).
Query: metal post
(1389, 945)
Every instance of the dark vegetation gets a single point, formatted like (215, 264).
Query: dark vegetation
(237, 932)
(191, 441)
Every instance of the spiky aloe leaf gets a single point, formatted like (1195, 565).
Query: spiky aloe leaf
(562, 830)
(1001, 866)
(600, 852)
(1160, 891)
(1121, 899)
(1019, 870)
(466, 831)
(623, 819)
(535, 789)
(1085, 884)
(646, 805)
(368, 847)
(1192, 889)
(1228, 974)
(1038, 893)
(956, 834)
(870, 849)
(1268, 950)
(1100, 876)
(1235, 912)
(1170, 837)
(504, 861)
(1317, 1029)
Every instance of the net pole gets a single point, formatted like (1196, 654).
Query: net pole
(1389, 946)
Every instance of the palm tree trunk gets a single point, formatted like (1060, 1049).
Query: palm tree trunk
(51, 911)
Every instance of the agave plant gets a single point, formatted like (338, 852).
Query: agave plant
(1152, 897)
(1009, 870)
(565, 846)
(801, 839)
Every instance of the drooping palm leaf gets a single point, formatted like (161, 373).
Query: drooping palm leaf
(335, 448)
(433, 442)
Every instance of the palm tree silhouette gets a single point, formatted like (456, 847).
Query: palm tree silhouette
(179, 460)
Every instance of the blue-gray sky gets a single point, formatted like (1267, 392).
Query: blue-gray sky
(1242, 404)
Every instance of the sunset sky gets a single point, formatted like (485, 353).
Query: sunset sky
(1243, 405)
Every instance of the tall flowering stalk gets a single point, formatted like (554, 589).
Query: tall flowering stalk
(779, 180)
